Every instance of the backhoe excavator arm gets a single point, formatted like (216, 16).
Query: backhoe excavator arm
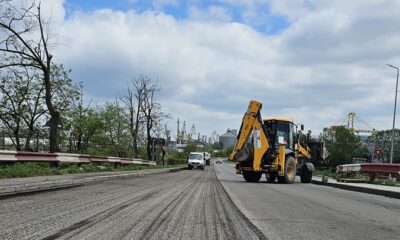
(251, 123)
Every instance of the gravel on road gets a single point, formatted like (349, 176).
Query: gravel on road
(182, 205)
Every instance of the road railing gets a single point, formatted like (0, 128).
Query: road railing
(22, 156)
(372, 169)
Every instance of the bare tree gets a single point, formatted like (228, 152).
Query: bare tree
(129, 100)
(25, 42)
(134, 99)
(151, 111)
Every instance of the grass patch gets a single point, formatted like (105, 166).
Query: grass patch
(325, 173)
(21, 170)
(26, 170)
(386, 182)
(353, 176)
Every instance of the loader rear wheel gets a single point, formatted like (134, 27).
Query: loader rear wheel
(252, 176)
(270, 177)
(290, 171)
(305, 175)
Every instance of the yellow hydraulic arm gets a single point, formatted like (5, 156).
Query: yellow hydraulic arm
(252, 123)
(304, 151)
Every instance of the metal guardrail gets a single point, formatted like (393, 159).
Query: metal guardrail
(21, 156)
(383, 168)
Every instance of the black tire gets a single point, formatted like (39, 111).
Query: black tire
(305, 175)
(203, 168)
(270, 177)
(190, 167)
(290, 171)
(252, 176)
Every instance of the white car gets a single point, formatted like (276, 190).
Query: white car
(196, 160)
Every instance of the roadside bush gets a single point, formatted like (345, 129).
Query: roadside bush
(25, 170)
(70, 169)
(90, 167)
(171, 161)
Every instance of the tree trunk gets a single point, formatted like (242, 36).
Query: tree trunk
(79, 143)
(54, 120)
(55, 115)
(27, 146)
(148, 143)
(136, 131)
(17, 141)
(135, 146)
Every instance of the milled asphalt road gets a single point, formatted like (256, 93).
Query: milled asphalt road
(308, 211)
(194, 205)
(182, 205)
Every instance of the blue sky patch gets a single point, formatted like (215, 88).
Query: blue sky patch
(262, 20)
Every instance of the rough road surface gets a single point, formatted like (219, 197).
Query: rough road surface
(182, 205)
(308, 211)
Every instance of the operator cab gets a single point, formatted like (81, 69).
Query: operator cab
(282, 131)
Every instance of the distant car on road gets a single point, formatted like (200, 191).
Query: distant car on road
(218, 161)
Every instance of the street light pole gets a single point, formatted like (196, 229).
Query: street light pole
(394, 112)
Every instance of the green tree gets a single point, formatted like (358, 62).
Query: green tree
(14, 91)
(343, 146)
(116, 128)
(190, 147)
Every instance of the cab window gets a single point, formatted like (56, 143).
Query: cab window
(196, 156)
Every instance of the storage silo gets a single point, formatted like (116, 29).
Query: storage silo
(228, 139)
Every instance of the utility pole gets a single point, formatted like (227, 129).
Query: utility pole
(394, 112)
(373, 149)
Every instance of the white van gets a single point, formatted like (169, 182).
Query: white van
(196, 160)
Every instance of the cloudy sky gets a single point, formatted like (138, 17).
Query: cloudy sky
(313, 60)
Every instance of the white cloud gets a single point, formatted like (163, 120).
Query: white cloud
(52, 10)
(328, 62)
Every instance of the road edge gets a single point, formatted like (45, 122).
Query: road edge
(242, 211)
(237, 202)
(379, 192)
(10, 191)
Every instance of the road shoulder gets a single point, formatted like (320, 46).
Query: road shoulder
(387, 191)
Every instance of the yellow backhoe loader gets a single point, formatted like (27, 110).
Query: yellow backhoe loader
(272, 146)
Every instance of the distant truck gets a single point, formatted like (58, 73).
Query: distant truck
(207, 157)
(197, 160)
